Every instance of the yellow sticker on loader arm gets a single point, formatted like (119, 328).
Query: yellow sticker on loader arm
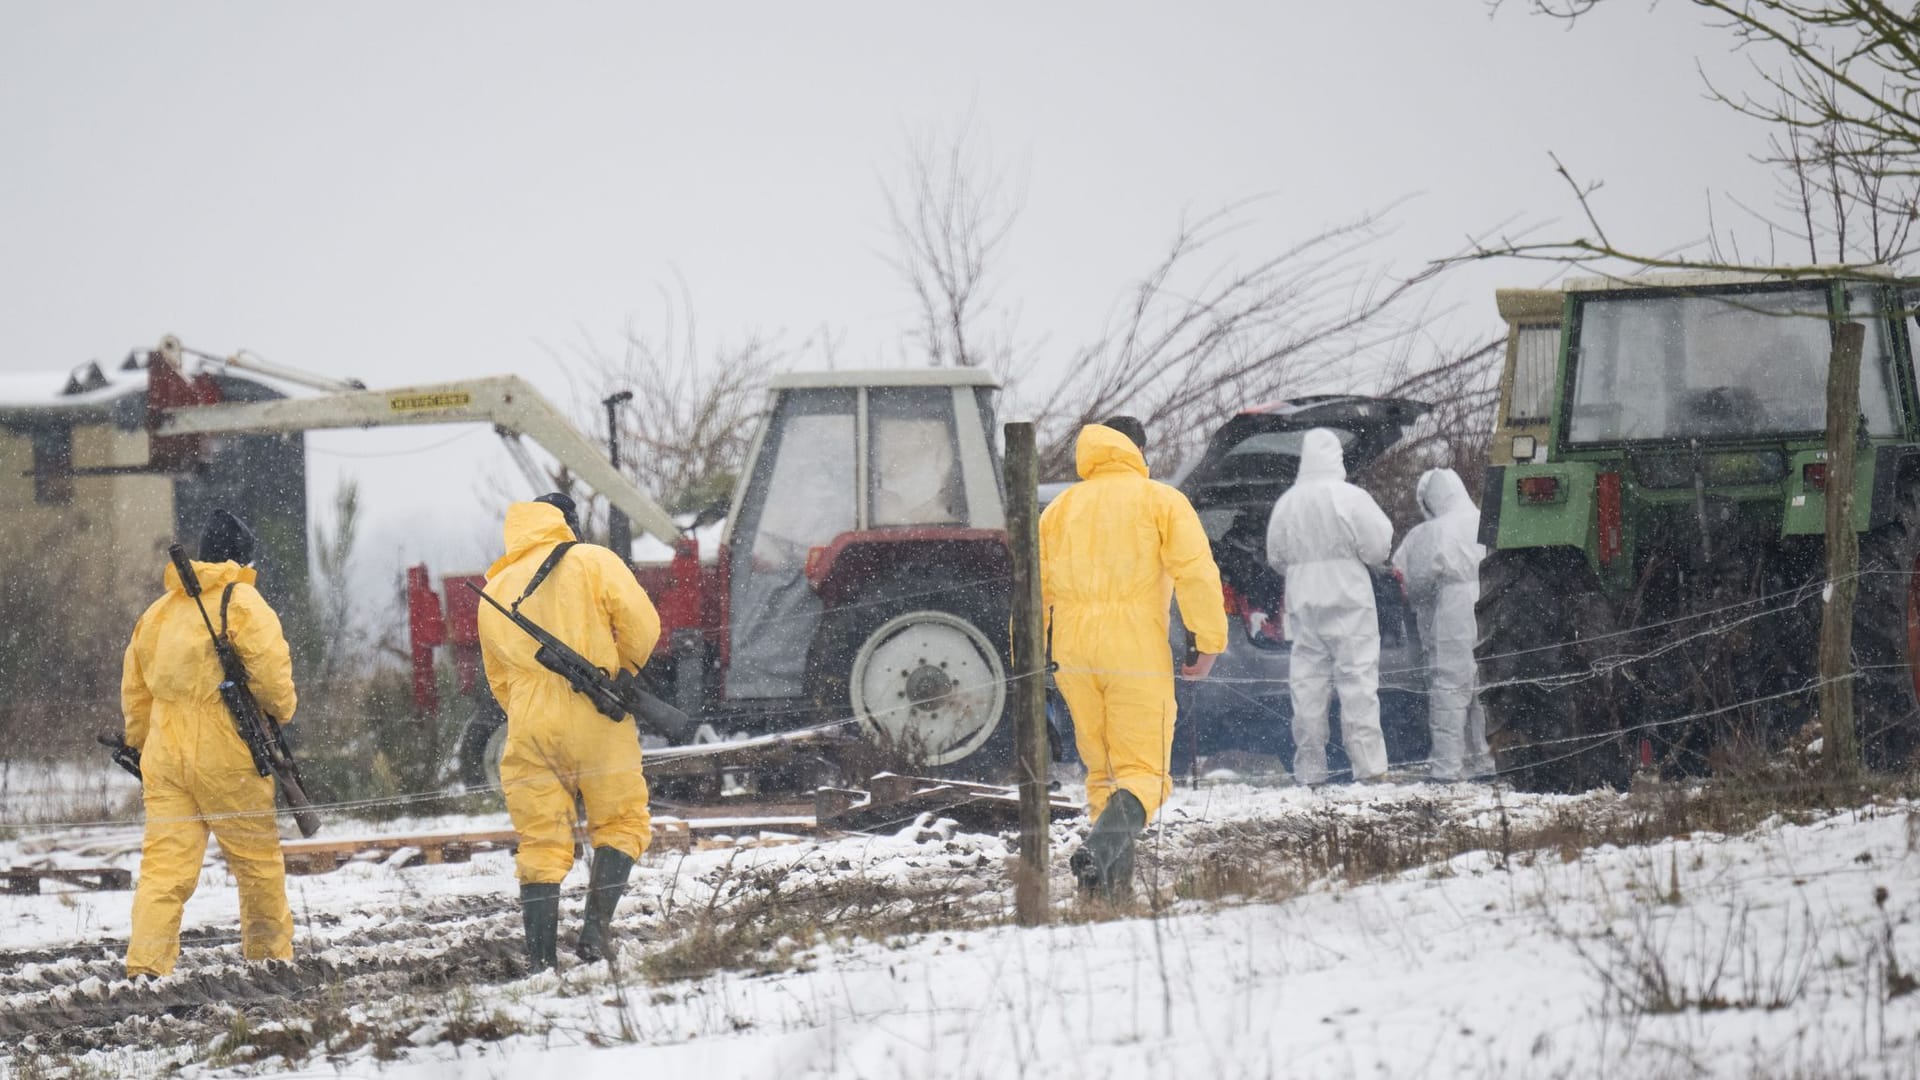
(402, 403)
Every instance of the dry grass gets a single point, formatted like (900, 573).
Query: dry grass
(1270, 859)
(760, 922)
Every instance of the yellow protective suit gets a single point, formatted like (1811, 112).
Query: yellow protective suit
(196, 772)
(558, 744)
(1114, 550)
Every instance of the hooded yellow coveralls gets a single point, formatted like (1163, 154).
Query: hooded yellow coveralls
(558, 744)
(195, 769)
(1114, 550)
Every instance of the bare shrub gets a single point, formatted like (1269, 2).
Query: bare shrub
(758, 921)
(1649, 970)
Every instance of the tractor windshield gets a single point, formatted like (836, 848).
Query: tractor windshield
(1734, 365)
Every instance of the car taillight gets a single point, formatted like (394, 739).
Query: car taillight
(1235, 605)
(1539, 489)
(1814, 475)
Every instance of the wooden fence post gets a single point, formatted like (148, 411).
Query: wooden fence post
(1029, 675)
(1841, 749)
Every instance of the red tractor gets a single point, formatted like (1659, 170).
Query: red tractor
(858, 587)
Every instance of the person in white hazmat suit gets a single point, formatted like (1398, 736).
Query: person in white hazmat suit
(1323, 535)
(1440, 562)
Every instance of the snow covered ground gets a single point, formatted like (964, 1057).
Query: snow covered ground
(1785, 951)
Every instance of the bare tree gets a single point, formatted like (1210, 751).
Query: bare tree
(1842, 98)
(1852, 65)
(952, 212)
(342, 641)
(685, 433)
(1848, 203)
(1201, 337)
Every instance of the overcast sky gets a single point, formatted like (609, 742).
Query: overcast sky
(418, 192)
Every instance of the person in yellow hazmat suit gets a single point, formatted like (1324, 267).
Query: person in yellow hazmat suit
(558, 745)
(195, 770)
(1114, 551)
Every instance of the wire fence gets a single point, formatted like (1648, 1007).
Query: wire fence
(1715, 622)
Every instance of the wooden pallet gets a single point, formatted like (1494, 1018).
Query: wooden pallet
(892, 802)
(669, 834)
(25, 881)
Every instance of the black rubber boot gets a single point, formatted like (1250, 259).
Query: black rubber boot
(540, 914)
(606, 885)
(1104, 864)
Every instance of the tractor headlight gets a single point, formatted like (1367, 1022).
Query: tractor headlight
(1523, 447)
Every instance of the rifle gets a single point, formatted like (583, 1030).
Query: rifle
(265, 741)
(615, 696)
(123, 755)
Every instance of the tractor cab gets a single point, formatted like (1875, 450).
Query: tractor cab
(866, 562)
(1526, 379)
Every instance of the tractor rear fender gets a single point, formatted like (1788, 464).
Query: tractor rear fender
(1806, 511)
(973, 559)
(1541, 506)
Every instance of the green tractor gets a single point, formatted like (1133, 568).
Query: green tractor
(1655, 517)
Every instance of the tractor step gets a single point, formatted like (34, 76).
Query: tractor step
(669, 834)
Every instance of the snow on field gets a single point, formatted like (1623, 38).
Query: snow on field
(1784, 952)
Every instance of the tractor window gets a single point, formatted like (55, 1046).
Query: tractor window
(1679, 367)
(913, 462)
(801, 495)
(1536, 357)
(1879, 387)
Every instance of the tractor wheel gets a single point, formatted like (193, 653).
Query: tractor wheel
(1548, 716)
(923, 675)
(481, 744)
(1886, 638)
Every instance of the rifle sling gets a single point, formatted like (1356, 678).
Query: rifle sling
(540, 575)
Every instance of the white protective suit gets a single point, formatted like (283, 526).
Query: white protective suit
(1440, 560)
(1323, 535)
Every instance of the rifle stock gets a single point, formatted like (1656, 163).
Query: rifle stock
(123, 755)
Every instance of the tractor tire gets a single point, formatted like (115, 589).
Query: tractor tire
(923, 674)
(481, 743)
(1549, 716)
(1886, 639)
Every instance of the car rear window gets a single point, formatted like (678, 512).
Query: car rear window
(1280, 442)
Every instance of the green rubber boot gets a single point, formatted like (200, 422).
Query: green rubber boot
(607, 883)
(540, 915)
(1104, 864)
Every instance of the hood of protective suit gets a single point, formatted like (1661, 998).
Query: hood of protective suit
(214, 576)
(1442, 492)
(1102, 449)
(530, 525)
(1320, 457)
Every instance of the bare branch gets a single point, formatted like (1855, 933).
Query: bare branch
(952, 214)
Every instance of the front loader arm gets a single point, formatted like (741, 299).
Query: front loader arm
(508, 402)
